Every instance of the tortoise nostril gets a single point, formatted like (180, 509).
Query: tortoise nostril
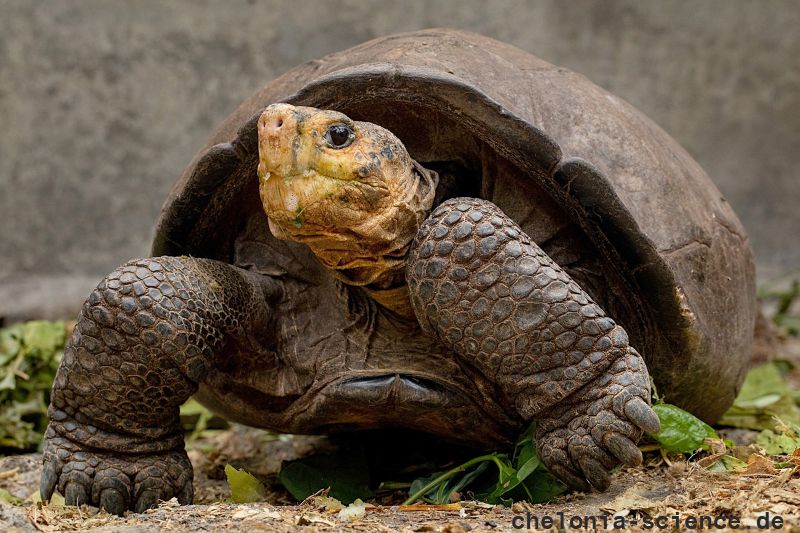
(273, 124)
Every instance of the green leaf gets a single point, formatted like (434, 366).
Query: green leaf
(197, 421)
(528, 467)
(763, 385)
(680, 431)
(544, 486)
(10, 343)
(525, 448)
(784, 298)
(512, 475)
(531, 482)
(9, 381)
(777, 443)
(29, 357)
(346, 473)
(763, 397)
(244, 487)
(10, 498)
(508, 480)
(441, 493)
(523, 477)
(727, 463)
(44, 338)
(56, 499)
(435, 486)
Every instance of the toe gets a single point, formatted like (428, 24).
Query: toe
(76, 493)
(642, 415)
(161, 480)
(49, 479)
(623, 449)
(186, 494)
(591, 459)
(552, 448)
(597, 475)
(111, 490)
(147, 499)
(113, 501)
(570, 477)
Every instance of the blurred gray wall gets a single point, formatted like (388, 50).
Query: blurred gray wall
(103, 103)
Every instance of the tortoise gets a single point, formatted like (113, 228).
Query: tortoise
(433, 231)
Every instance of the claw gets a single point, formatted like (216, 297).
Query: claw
(569, 477)
(147, 499)
(186, 495)
(642, 415)
(623, 449)
(595, 473)
(49, 479)
(112, 501)
(76, 494)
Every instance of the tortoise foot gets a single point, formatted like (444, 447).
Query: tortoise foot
(113, 481)
(597, 428)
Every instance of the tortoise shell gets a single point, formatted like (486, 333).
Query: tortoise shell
(602, 189)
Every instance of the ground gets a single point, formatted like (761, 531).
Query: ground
(655, 488)
(676, 488)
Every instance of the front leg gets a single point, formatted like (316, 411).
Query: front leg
(144, 340)
(481, 286)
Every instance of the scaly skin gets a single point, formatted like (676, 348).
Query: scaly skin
(144, 339)
(482, 287)
(151, 330)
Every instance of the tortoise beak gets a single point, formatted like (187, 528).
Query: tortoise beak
(276, 128)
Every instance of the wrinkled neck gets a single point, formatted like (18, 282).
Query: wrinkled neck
(373, 255)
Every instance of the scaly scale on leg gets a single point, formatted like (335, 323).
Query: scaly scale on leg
(480, 285)
(145, 337)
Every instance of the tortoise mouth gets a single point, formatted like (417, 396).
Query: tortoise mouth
(396, 390)
(410, 400)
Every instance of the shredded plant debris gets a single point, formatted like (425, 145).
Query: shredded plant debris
(29, 357)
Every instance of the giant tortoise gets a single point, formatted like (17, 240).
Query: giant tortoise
(433, 231)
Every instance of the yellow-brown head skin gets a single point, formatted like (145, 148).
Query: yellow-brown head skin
(347, 189)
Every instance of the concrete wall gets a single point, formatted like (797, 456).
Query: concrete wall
(103, 103)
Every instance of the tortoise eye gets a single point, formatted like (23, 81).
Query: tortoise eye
(339, 136)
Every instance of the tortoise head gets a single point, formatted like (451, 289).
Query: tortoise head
(347, 189)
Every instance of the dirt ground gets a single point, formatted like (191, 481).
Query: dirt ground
(656, 489)
(675, 489)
